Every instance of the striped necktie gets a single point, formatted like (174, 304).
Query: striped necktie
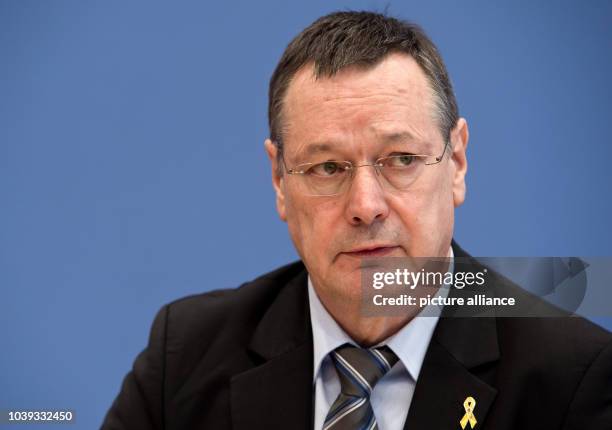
(358, 370)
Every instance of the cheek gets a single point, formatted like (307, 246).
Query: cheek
(426, 217)
(418, 217)
(437, 218)
(311, 224)
(438, 199)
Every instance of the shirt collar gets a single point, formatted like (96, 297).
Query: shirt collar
(409, 343)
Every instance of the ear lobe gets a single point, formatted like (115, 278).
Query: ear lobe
(459, 140)
(277, 178)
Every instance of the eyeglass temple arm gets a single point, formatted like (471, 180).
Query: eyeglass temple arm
(446, 145)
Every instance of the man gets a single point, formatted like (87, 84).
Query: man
(368, 159)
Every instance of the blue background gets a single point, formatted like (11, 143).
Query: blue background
(132, 169)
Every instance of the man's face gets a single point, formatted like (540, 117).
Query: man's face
(360, 115)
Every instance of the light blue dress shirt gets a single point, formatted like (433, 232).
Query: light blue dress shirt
(392, 395)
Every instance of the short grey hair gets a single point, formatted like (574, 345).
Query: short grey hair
(343, 39)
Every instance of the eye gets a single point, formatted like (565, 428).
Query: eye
(327, 168)
(402, 160)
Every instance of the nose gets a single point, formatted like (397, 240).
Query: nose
(366, 198)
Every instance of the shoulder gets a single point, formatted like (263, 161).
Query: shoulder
(196, 345)
(558, 345)
(561, 357)
(225, 312)
(538, 336)
(561, 363)
(538, 324)
(199, 341)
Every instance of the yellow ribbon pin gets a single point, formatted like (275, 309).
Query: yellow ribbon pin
(468, 404)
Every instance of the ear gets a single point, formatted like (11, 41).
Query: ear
(277, 179)
(459, 141)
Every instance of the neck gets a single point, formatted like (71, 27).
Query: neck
(372, 330)
(366, 331)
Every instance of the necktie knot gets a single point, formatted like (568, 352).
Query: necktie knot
(360, 369)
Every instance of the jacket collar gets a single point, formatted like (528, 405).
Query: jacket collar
(286, 324)
(278, 393)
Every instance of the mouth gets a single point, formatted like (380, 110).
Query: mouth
(371, 251)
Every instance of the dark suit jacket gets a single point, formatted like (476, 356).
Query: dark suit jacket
(242, 359)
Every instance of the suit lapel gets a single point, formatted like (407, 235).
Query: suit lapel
(457, 365)
(447, 378)
(277, 392)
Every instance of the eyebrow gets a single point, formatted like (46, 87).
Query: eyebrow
(386, 138)
(396, 137)
(404, 137)
(315, 148)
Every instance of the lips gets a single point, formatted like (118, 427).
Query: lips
(372, 251)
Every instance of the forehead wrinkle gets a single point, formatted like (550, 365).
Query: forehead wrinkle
(405, 133)
(323, 145)
(310, 99)
(357, 110)
(376, 133)
(347, 114)
(393, 136)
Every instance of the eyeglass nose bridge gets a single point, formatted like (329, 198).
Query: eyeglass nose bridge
(376, 166)
(377, 170)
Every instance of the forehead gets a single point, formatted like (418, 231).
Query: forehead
(357, 104)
